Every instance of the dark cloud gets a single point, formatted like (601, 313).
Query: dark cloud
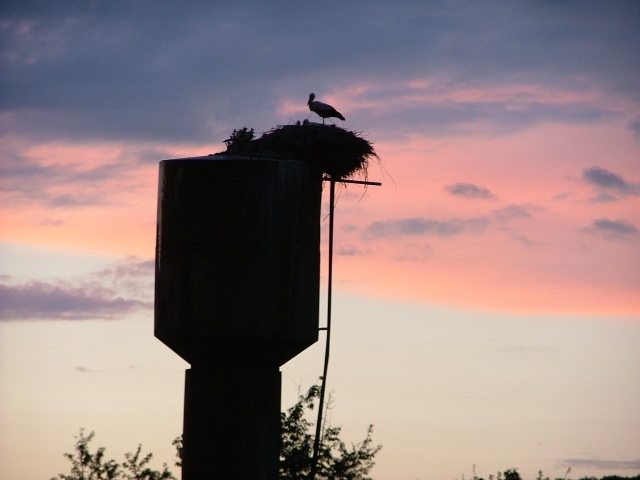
(413, 253)
(37, 300)
(512, 211)
(48, 222)
(108, 294)
(71, 201)
(604, 178)
(175, 71)
(131, 267)
(524, 240)
(469, 190)
(613, 229)
(634, 126)
(562, 196)
(347, 227)
(600, 464)
(348, 251)
(604, 197)
(425, 226)
(610, 186)
(132, 275)
(83, 369)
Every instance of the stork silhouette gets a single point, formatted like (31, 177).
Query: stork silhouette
(322, 109)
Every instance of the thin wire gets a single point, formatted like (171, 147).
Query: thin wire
(316, 442)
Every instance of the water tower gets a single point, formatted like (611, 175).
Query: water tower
(238, 281)
(237, 296)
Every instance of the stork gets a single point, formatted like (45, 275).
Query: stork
(322, 109)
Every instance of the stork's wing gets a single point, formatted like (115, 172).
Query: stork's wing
(323, 107)
(324, 110)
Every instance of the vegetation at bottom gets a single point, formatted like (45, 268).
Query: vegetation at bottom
(335, 459)
(512, 474)
(93, 466)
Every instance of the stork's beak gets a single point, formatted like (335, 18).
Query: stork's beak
(309, 101)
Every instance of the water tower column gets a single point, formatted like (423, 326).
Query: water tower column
(232, 422)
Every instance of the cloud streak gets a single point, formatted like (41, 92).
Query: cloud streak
(469, 190)
(613, 229)
(600, 464)
(411, 227)
(111, 293)
(523, 210)
(37, 300)
(609, 186)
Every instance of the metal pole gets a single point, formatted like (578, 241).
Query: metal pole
(332, 201)
(316, 442)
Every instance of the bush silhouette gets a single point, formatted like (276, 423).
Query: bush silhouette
(336, 460)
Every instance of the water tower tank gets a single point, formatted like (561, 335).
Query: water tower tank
(237, 258)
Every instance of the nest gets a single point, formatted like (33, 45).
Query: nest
(338, 152)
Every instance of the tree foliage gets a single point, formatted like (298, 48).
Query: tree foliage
(512, 474)
(93, 466)
(239, 139)
(335, 459)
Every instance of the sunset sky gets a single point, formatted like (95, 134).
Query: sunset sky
(487, 304)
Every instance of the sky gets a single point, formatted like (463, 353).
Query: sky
(487, 295)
